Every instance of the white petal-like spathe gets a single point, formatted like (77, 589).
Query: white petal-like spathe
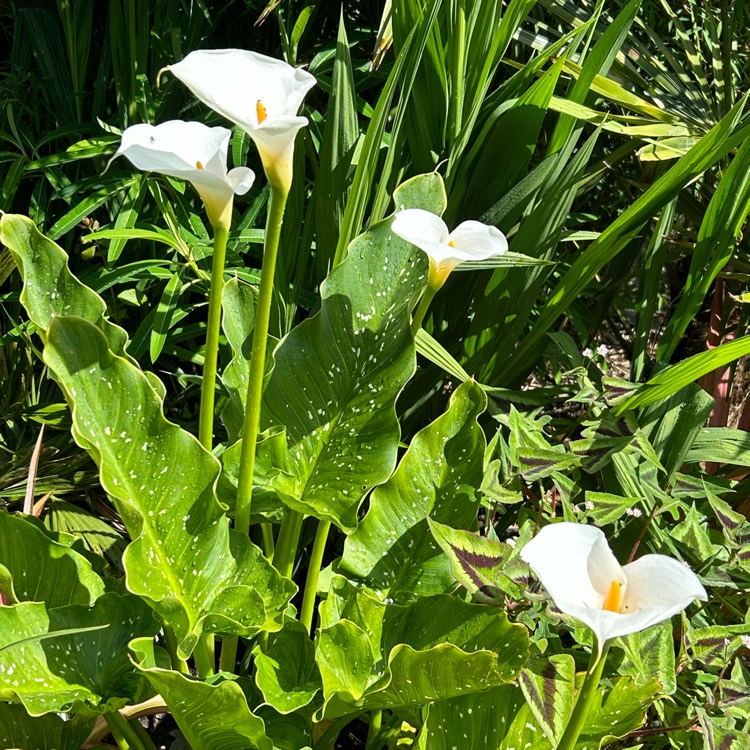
(189, 151)
(425, 230)
(471, 240)
(575, 565)
(232, 82)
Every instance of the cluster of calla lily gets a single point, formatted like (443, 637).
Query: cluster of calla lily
(263, 95)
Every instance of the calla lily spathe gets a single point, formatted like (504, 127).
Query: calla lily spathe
(260, 94)
(576, 566)
(471, 240)
(194, 152)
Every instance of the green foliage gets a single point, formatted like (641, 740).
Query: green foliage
(610, 144)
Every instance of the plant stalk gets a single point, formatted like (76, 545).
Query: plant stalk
(373, 733)
(585, 699)
(313, 573)
(286, 544)
(251, 424)
(424, 304)
(205, 660)
(124, 734)
(208, 385)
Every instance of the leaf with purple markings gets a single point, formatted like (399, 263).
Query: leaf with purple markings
(476, 562)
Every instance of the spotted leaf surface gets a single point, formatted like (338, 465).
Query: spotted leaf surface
(183, 560)
(210, 716)
(86, 673)
(392, 550)
(432, 649)
(337, 375)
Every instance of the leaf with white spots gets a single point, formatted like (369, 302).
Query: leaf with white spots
(184, 560)
(285, 668)
(392, 550)
(40, 569)
(86, 673)
(478, 720)
(432, 649)
(337, 375)
(210, 716)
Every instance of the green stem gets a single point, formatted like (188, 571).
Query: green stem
(170, 642)
(251, 424)
(585, 699)
(205, 660)
(208, 386)
(140, 730)
(424, 304)
(286, 544)
(376, 721)
(124, 734)
(268, 543)
(228, 657)
(313, 573)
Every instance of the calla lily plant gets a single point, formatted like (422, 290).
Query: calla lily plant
(260, 94)
(469, 241)
(193, 152)
(577, 568)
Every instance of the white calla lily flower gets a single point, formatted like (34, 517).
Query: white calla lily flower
(260, 94)
(194, 152)
(470, 240)
(577, 568)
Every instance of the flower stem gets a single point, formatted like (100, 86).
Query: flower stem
(251, 424)
(286, 544)
(313, 573)
(373, 733)
(423, 306)
(205, 661)
(124, 734)
(170, 643)
(208, 386)
(585, 699)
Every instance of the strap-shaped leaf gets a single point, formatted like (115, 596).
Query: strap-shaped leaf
(337, 375)
(183, 560)
(392, 550)
(41, 569)
(86, 672)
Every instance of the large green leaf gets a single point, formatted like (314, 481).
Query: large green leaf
(35, 567)
(49, 288)
(86, 672)
(373, 654)
(183, 560)
(210, 716)
(478, 720)
(285, 668)
(392, 550)
(20, 731)
(337, 375)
